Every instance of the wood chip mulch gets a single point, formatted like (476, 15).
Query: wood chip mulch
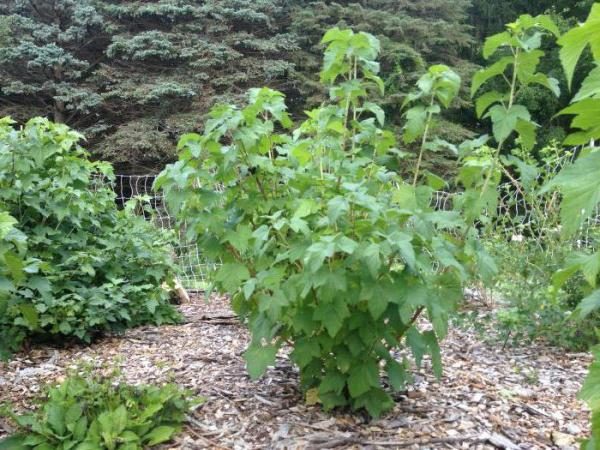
(489, 397)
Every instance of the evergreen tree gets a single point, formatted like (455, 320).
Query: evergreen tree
(134, 75)
(49, 51)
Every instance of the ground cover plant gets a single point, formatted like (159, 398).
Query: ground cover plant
(88, 268)
(90, 412)
(322, 247)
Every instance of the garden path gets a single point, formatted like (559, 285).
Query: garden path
(489, 397)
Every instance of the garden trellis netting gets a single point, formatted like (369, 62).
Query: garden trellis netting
(194, 268)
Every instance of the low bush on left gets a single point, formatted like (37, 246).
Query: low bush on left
(72, 265)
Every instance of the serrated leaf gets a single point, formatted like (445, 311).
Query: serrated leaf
(231, 276)
(362, 378)
(396, 374)
(590, 86)
(416, 117)
(590, 391)
(375, 402)
(577, 39)
(259, 358)
(589, 304)
(504, 120)
(332, 314)
(579, 184)
(483, 75)
(486, 100)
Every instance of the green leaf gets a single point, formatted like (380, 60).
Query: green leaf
(239, 238)
(590, 87)
(577, 39)
(232, 275)
(370, 255)
(376, 110)
(376, 401)
(496, 41)
(486, 100)
(416, 117)
(14, 442)
(332, 314)
(589, 304)
(579, 184)
(590, 391)
(396, 374)
(430, 339)
(333, 381)
(490, 72)
(160, 434)
(526, 131)
(56, 418)
(259, 358)
(305, 350)
(504, 120)
(362, 378)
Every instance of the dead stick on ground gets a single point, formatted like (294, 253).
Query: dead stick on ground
(420, 442)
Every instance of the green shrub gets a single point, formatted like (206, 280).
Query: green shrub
(94, 413)
(94, 268)
(323, 247)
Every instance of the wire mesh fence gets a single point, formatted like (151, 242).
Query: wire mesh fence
(193, 268)
(516, 216)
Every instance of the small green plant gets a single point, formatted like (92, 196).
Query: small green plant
(88, 268)
(324, 248)
(97, 413)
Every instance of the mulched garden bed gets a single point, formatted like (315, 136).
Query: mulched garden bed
(489, 397)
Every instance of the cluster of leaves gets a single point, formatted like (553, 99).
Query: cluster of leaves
(322, 246)
(89, 268)
(579, 184)
(90, 412)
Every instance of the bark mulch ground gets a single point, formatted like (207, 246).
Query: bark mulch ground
(489, 397)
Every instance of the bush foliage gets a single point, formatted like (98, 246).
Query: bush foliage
(89, 268)
(322, 246)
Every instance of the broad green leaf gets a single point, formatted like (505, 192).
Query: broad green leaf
(490, 72)
(526, 131)
(231, 276)
(486, 100)
(590, 391)
(332, 314)
(160, 434)
(579, 184)
(376, 401)
(496, 41)
(362, 378)
(396, 374)
(590, 87)
(258, 358)
(416, 117)
(577, 39)
(589, 304)
(305, 350)
(504, 120)
(14, 442)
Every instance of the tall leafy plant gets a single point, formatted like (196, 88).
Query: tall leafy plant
(516, 55)
(579, 184)
(322, 247)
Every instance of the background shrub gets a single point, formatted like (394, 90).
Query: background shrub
(92, 268)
